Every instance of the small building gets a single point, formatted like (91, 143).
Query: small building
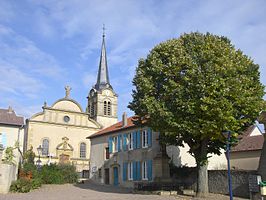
(262, 163)
(12, 132)
(11, 135)
(246, 154)
(124, 153)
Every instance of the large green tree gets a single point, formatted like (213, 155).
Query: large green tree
(194, 87)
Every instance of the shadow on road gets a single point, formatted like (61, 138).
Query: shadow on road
(103, 188)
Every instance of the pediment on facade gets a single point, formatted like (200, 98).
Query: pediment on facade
(64, 146)
(67, 105)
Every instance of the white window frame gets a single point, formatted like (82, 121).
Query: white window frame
(130, 171)
(144, 170)
(144, 138)
(130, 141)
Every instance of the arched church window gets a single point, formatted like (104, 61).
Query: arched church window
(82, 150)
(92, 109)
(109, 108)
(45, 147)
(105, 108)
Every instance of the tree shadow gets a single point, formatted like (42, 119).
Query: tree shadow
(89, 185)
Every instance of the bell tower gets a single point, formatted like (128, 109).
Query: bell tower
(102, 100)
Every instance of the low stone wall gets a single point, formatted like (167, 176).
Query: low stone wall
(7, 175)
(218, 182)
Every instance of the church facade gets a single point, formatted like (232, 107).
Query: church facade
(58, 133)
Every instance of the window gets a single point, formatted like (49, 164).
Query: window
(115, 144)
(105, 108)
(100, 172)
(45, 147)
(107, 153)
(109, 108)
(144, 170)
(144, 138)
(82, 150)
(130, 171)
(130, 141)
(92, 109)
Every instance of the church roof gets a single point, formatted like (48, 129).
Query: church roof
(9, 117)
(103, 75)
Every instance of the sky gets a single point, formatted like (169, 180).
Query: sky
(46, 45)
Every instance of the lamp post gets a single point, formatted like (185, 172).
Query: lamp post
(228, 133)
(39, 149)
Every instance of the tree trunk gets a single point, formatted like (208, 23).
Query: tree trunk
(202, 184)
(202, 167)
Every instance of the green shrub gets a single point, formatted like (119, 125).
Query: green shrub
(36, 183)
(21, 185)
(69, 173)
(50, 174)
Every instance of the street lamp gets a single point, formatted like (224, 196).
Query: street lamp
(228, 133)
(39, 149)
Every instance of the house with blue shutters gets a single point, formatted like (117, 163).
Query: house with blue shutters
(124, 154)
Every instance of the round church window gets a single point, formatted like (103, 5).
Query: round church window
(66, 119)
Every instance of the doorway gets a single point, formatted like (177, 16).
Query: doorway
(115, 176)
(106, 176)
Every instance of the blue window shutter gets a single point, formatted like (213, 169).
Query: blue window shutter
(110, 144)
(149, 170)
(4, 140)
(149, 137)
(134, 140)
(134, 171)
(138, 171)
(124, 171)
(138, 139)
(119, 142)
(124, 142)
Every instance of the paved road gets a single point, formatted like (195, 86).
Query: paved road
(90, 191)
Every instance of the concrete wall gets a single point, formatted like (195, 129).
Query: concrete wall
(7, 175)
(181, 157)
(246, 160)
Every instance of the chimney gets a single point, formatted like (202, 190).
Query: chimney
(10, 110)
(124, 119)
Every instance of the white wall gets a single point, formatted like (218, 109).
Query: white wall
(181, 157)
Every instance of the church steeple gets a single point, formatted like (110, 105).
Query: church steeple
(103, 75)
(102, 99)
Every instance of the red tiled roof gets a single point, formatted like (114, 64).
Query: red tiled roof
(10, 118)
(115, 127)
(249, 143)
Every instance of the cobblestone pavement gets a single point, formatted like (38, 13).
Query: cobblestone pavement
(90, 191)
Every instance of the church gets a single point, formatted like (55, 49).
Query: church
(58, 133)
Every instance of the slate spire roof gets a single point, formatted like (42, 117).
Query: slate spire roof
(103, 75)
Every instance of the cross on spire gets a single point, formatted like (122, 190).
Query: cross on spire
(104, 30)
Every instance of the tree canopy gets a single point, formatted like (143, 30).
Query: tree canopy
(194, 87)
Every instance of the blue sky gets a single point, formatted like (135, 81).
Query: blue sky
(45, 45)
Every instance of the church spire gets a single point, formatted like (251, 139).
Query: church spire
(103, 76)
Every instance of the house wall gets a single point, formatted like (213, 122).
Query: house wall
(245, 160)
(13, 134)
(99, 163)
